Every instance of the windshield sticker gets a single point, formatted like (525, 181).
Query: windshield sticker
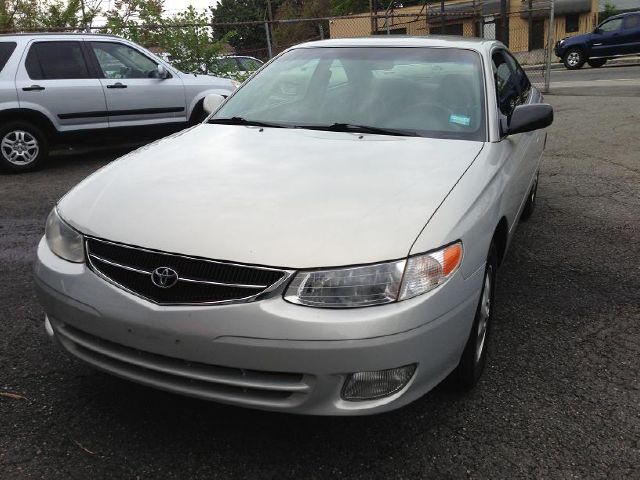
(460, 119)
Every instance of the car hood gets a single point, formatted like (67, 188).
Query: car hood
(576, 39)
(279, 197)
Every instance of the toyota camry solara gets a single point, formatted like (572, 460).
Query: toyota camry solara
(325, 243)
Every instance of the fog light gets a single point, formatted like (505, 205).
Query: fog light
(362, 386)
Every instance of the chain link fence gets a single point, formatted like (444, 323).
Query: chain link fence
(527, 32)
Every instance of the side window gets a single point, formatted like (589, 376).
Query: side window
(507, 86)
(521, 78)
(631, 22)
(249, 64)
(611, 26)
(6, 49)
(119, 61)
(56, 61)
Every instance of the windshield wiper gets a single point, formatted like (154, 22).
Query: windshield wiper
(244, 121)
(350, 127)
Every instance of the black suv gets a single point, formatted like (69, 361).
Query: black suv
(616, 36)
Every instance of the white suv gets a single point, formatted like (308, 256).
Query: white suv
(56, 83)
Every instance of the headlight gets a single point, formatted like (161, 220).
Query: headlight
(375, 284)
(63, 240)
(236, 83)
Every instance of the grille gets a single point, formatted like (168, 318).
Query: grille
(198, 280)
(196, 379)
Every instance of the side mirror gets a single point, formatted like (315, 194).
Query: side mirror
(526, 118)
(162, 71)
(211, 102)
(597, 30)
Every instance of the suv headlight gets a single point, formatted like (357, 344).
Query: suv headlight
(63, 240)
(376, 284)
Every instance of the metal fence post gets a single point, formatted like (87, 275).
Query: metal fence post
(386, 22)
(550, 42)
(266, 31)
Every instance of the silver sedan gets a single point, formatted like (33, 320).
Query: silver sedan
(326, 242)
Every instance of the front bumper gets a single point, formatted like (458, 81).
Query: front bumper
(268, 354)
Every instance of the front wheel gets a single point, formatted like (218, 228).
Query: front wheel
(597, 62)
(474, 357)
(23, 147)
(573, 59)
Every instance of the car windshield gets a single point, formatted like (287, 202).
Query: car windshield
(430, 92)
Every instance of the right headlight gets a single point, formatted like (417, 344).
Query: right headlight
(63, 240)
(377, 284)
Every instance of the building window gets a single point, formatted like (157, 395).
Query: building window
(572, 23)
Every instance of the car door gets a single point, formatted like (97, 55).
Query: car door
(607, 38)
(512, 89)
(631, 34)
(134, 91)
(55, 78)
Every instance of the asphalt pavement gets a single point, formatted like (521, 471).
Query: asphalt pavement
(617, 79)
(560, 397)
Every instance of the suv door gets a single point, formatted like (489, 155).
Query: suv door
(55, 79)
(606, 39)
(631, 33)
(135, 93)
(512, 89)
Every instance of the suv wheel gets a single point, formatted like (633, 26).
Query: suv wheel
(573, 59)
(597, 62)
(474, 357)
(23, 147)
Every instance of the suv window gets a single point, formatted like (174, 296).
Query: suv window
(56, 61)
(611, 25)
(512, 88)
(6, 49)
(249, 64)
(121, 61)
(631, 22)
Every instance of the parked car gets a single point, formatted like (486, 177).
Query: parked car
(237, 67)
(325, 249)
(54, 84)
(616, 36)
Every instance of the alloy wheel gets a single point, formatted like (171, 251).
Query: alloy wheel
(485, 313)
(19, 147)
(573, 59)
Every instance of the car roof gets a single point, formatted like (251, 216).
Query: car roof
(57, 34)
(451, 41)
(621, 15)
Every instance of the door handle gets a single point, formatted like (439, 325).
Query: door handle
(33, 88)
(117, 85)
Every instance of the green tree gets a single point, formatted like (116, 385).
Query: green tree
(609, 11)
(249, 39)
(288, 34)
(184, 37)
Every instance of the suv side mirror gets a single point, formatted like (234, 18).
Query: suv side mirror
(162, 71)
(211, 102)
(597, 30)
(526, 118)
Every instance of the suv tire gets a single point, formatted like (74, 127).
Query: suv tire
(573, 59)
(23, 147)
(597, 62)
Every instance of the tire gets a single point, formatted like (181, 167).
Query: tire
(23, 147)
(573, 59)
(474, 357)
(597, 62)
(527, 211)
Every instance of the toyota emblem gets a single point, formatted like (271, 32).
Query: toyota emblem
(164, 277)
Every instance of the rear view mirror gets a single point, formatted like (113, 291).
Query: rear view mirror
(526, 118)
(211, 102)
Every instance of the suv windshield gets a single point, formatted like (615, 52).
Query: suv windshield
(431, 92)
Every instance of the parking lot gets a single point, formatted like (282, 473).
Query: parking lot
(560, 397)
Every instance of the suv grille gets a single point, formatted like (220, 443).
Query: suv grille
(197, 280)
